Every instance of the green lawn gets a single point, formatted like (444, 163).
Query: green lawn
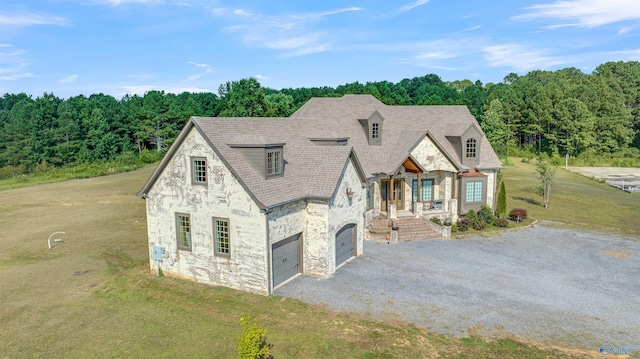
(93, 296)
(575, 200)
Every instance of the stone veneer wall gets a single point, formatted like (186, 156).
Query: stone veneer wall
(343, 211)
(246, 268)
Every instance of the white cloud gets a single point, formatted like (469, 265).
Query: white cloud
(68, 79)
(585, 13)
(197, 64)
(205, 67)
(471, 29)
(124, 2)
(293, 34)
(519, 57)
(625, 30)
(198, 76)
(260, 77)
(412, 6)
(15, 76)
(241, 12)
(326, 13)
(25, 18)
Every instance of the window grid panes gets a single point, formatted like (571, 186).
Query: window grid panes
(221, 228)
(471, 148)
(426, 190)
(474, 191)
(199, 170)
(374, 130)
(184, 231)
(274, 161)
(370, 196)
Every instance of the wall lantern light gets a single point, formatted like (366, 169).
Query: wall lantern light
(349, 193)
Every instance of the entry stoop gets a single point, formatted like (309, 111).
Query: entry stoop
(378, 229)
(411, 229)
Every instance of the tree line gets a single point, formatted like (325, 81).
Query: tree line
(564, 111)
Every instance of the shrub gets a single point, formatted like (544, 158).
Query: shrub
(454, 228)
(463, 224)
(480, 225)
(436, 220)
(486, 214)
(518, 214)
(147, 156)
(472, 216)
(252, 343)
(501, 222)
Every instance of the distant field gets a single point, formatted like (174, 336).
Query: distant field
(92, 296)
(575, 200)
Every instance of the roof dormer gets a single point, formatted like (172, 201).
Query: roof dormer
(466, 139)
(267, 158)
(373, 128)
(470, 142)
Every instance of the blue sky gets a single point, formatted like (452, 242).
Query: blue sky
(72, 47)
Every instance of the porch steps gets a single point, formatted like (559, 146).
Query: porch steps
(409, 229)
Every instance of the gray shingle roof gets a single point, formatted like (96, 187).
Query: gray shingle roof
(313, 171)
(403, 126)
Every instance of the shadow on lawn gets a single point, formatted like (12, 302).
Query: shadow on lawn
(528, 200)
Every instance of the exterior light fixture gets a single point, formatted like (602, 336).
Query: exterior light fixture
(349, 193)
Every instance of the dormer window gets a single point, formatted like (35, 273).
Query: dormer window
(273, 165)
(471, 148)
(372, 125)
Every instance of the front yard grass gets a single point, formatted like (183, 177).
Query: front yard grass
(93, 296)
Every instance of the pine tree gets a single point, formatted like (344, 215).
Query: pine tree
(501, 206)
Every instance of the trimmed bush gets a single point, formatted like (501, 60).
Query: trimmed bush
(501, 222)
(480, 225)
(518, 214)
(436, 220)
(252, 343)
(463, 224)
(486, 214)
(472, 216)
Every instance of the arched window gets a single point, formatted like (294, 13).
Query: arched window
(471, 148)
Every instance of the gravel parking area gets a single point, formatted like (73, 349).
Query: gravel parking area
(555, 285)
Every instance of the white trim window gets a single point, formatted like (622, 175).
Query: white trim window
(222, 239)
(473, 192)
(274, 162)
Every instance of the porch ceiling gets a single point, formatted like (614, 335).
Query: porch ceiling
(411, 166)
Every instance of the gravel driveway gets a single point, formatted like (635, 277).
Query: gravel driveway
(577, 289)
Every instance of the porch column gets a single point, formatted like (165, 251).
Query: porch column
(417, 206)
(419, 199)
(393, 201)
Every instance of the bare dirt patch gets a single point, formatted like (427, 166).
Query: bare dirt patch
(630, 175)
(619, 253)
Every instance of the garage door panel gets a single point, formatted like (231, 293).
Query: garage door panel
(344, 244)
(285, 259)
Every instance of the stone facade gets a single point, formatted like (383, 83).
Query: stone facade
(246, 267)
(252, 231)
(344, 211)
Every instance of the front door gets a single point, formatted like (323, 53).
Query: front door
(388, 197)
